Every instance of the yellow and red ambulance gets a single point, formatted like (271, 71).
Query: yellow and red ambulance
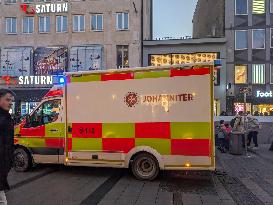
(147, 119)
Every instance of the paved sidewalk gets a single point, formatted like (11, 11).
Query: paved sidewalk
(263, 151)
(248, 179)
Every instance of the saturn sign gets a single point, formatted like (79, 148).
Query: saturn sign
(45, 8)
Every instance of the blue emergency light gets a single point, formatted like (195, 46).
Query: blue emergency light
(59, 80)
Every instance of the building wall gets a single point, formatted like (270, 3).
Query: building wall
(248, 56)
(208, 19)
(109, 38)
(192, 46)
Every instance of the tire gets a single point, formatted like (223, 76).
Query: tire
(22, 160)
(145, 167)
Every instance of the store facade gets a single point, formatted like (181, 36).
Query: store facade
(39, 41)
(259, 102)
(173, 52)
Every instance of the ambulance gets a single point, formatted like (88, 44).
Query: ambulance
(146, 119)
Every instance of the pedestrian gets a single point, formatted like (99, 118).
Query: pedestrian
(253, 126)
(239, 126)
(6, 141)
(228, 130)
(222, 134)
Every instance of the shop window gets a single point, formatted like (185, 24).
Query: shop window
(61, 24)
(258, 38)
(28, 24)
(28, 1)
(258, 74)
(122, 21)
(12, 109)
(11, 25)
(176, 58)
(241, 7)
(85, 58)
(238, 107)
(193, 58)
(263, 110)
(217, 106)
(28, 107)
(161, 60)
(44, 24)
(271, 74)
(258, 7)
(240, 39)
(97, 22)
(240, 74)
(10, 1)
(78, 23)
(122, 56)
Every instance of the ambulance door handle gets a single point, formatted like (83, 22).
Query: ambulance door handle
(54, 130)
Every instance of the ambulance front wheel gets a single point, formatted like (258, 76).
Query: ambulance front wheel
(145, 167)
(22, 160)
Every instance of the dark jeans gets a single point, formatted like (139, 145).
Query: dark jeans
(254, 135)
(223, 144)
(243, 140)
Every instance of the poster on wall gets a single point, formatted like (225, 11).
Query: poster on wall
(50, 60)
(85, 58)
(16, 61)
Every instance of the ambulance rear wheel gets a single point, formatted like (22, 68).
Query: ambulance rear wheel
(145, 167)
(22, 160)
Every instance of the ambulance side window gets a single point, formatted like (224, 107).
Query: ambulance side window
(48, 112)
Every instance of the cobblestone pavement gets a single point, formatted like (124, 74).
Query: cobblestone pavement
(238, 180)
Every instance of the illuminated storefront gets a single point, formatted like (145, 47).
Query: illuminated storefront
(28, 107)
(259, 103)
(175, 59)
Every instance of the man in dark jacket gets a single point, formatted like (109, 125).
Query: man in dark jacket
(6, 141)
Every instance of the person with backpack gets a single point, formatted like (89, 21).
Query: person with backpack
(227, 139)
(239, 126)
(253, 126)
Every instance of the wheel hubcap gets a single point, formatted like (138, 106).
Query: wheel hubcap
(19, 160)
(145, 167)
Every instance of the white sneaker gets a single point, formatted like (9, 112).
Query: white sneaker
(255, 148)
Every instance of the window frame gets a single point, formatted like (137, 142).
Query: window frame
(258, 13)
(271, 73)
(7, 3)
(271, 7)
(236, 40)
(117, 21)
(235, 6)
(123, 66)
(56, 21)
(271, 39)
(253, 38)
(27, 1)
(252, 75)
(246, 82)
(91, 20)
(78, 15)
(28, 17)
(45, 17)
(6, 25)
